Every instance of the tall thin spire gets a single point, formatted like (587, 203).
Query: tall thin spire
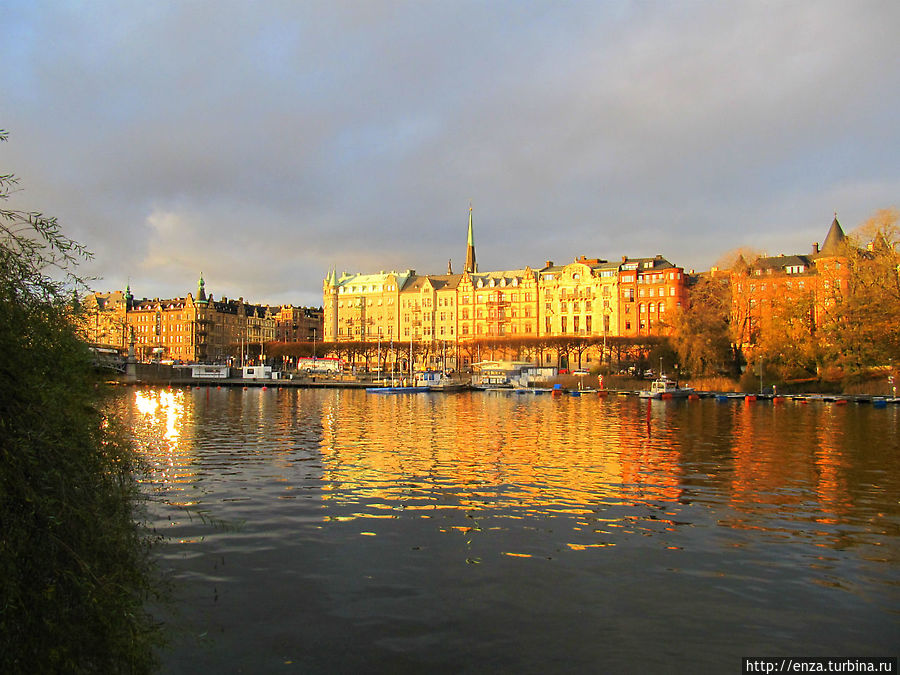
(201, 289)
(471, 265)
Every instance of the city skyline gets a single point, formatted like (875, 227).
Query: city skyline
(265, 146)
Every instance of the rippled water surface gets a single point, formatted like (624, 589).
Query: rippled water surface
(335, 531)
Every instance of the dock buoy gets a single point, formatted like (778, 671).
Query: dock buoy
(750, 398)
(778, 399)
(841, 401)
(693, 397)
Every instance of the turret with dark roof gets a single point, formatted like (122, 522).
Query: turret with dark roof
(834, 240)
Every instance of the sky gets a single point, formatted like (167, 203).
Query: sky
(262, 144)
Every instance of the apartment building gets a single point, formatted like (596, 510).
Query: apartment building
(650, 289)
(297, 324)
(764, 287)
(190, 329)
(588, 297)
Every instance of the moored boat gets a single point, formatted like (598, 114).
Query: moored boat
(665, 388)
(395, 390)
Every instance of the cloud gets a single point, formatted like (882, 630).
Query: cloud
(264, 145)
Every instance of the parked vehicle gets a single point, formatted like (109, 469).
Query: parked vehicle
(320, 365)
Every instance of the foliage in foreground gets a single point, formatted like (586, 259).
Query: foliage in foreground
(75, 569)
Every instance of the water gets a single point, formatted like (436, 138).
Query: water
(339, 532)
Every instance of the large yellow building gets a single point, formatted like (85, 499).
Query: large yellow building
(588, 298)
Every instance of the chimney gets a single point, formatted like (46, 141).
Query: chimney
(624, 258)
(815, 247)
(549, 263)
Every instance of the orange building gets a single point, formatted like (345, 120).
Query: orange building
(190, 329)
(650, 289)
(811, 283)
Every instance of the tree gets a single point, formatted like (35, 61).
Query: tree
(860, 317)
(75, 568)
(701, 330)
(788, 343)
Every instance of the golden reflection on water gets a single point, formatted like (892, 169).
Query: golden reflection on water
(613, 466)
(161, 417)
(779, 468)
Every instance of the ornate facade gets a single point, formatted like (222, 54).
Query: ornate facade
(187, 329)
(585, 298)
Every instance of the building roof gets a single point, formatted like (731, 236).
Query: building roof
(834, 240)
(780, 262)
(501, 277)
(346, 279)
(445, 281)
(645, 264)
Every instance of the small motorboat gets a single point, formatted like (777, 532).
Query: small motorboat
(665, 388)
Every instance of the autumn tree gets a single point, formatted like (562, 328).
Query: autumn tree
(861, 319)
(788, 342)
(701, 334)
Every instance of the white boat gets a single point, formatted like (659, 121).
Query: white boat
(665, 388)
(438, 380)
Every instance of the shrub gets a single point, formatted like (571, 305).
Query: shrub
(75, 565)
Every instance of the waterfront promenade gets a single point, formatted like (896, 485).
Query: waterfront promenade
(175, 378)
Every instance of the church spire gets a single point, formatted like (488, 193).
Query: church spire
(201, 289)
(471, 265)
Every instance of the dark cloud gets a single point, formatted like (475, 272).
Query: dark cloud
(264, 144)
